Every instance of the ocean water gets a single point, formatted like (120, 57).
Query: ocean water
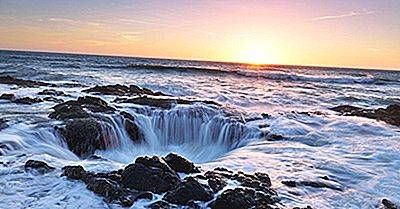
(360, 156)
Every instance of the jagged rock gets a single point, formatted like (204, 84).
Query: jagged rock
(188, 190)
(160, 205)
(77, 109)
(273, 137)
(86, 131)
(131, 127)
(121, 90)
(390, 114)
(216, 181)
(83, 136)
(180, 164)
(7, 96)
(164, 103)
(241, 198)
(75, 173)
(3, 123)
(52, 92)
(22, 82)
(315, 184)
(27, 100)
(387, 204)
(150, 174)
(40, 166)
(52, 99)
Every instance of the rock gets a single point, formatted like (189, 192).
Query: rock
(161, 205)
(83, 136)
(188, 190)
(3, 123)
(273, 137)
(180, 164)
(216, 181)
(315, 184)
(27, 100)
(133, 130)
(150, 174)
(238, 198)
(78, 109)
(85, 130)
(75, 173)
(121, 90)
(390, 114)
(387, 204)
(52, 99)
(52, 92)
(164, 103)
(7, 96)
(22, 82)
(307, 207)
(40, 166)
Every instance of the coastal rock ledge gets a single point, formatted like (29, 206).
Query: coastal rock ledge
(179, 182)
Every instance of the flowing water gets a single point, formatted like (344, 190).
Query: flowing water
(360, 156)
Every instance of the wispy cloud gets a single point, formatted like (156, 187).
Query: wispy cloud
(350, 14)
(65, 20)
(132, 36)
(137, 21)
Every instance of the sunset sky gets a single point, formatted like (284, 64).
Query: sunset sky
(362, 33)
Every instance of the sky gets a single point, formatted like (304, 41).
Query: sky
(351, 33)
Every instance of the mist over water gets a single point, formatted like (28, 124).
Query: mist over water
(359, 155)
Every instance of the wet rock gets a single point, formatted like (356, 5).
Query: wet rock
(307, 207)
(150, 174)
(180, 164)
(315, 184)
(85, 130)
(52, 92)
(133, 130)
(161, 205)
(3, 123)
(390, 114)
(7, 96)
(52, 99)
(274, 137)
(387, 204)
(40, 166)
(27, 100)
(121, 90)
(242, 198)
(22, 82)
(188, 190)
(75, 173)
(216, 181)
(78, 109)
(164, 103)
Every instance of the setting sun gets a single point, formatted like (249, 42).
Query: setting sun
(256, 57)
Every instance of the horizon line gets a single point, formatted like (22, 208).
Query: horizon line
(199, 60)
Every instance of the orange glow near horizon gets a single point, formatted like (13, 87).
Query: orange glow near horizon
(348, 34)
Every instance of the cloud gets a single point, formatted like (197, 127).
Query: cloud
(132, 36)
(350, 14)
(137, 21)
(65, 20)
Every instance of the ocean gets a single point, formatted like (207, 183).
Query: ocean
(361, 156)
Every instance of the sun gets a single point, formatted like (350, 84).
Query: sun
(256, 57)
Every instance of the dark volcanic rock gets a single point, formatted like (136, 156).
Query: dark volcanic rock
(83, 136)
(106, 185)
(75, 173)
(80, 108)
(390, 114)
(161, 205)
(7, 96)
(52, 99)
(164, 103)
(180, 164)
(242, 198)
(40, 166)
(85, 129)
(188, 190)
(27, 100)
(51, 92)
(22, 82)
(121, 90)
(150, 174)
(315, 184)
(387, 204)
